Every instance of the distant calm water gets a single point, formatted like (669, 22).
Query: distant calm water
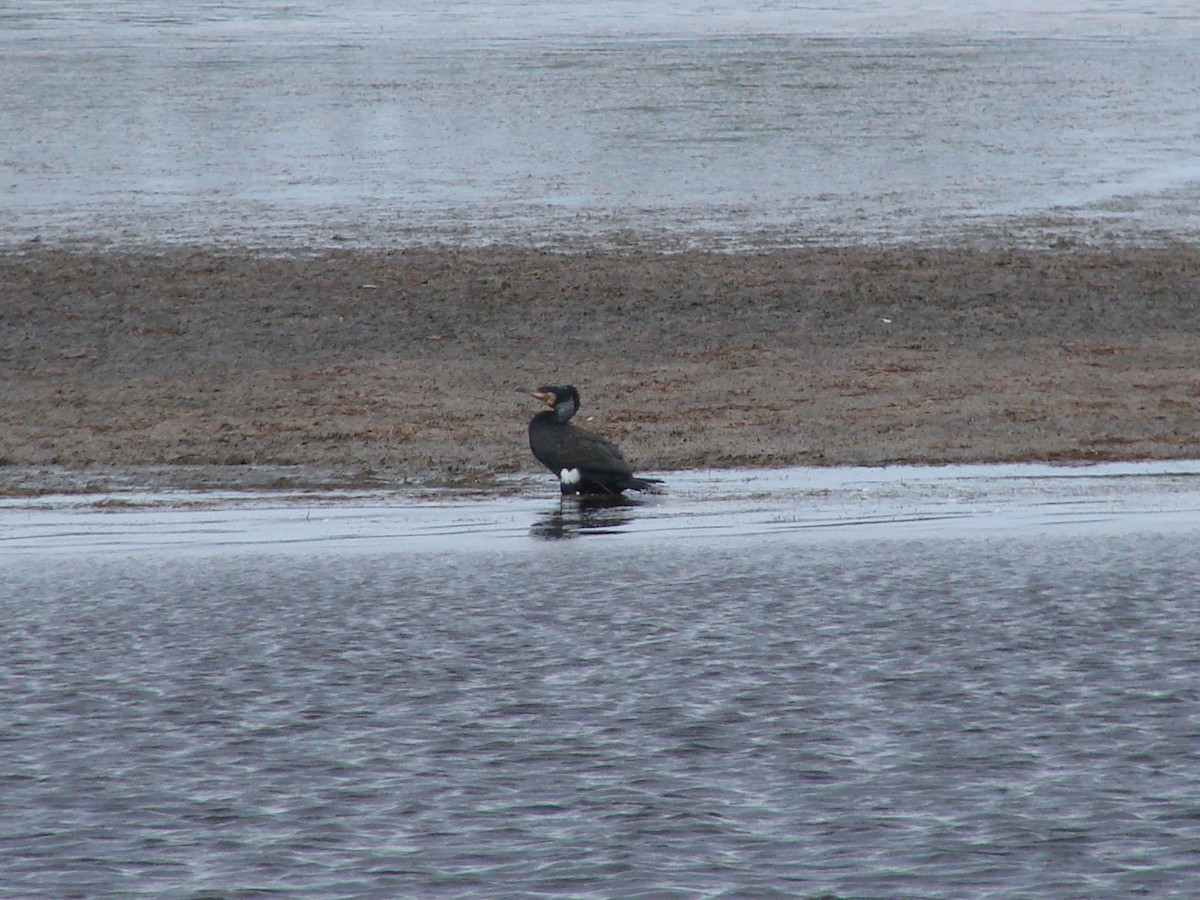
(858, 683)
(718, 124)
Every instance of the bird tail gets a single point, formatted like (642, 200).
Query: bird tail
(650, 485)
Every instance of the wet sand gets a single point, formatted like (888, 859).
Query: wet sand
(217, 368)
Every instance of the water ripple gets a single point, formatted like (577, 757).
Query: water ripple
(909, 718)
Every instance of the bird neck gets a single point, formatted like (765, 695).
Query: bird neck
(563, 410)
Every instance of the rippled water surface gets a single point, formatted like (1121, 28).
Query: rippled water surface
(924, 682)
(374, 122)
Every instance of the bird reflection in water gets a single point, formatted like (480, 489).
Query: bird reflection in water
(574, 517)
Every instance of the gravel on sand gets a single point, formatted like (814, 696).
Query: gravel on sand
(400, 366)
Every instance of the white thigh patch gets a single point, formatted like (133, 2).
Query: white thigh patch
(570, 476)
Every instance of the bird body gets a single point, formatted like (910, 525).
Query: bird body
(584, 462)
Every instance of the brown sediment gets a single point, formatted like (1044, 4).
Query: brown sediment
(405, 365)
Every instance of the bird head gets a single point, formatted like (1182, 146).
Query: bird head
(563, 399)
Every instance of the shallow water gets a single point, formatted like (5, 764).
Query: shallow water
(724, 124)
(968, 681)
(812, 504)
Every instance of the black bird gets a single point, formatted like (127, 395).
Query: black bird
(584, 462)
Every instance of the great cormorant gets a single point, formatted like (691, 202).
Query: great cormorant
(584, 462)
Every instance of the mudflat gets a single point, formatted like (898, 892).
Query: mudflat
(405, 365)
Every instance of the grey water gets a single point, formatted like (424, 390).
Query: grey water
(377, 123)
(959, 682)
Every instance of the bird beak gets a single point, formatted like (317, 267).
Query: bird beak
(545, 396)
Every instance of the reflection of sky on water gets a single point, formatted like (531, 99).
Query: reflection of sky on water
(734, 508)
(367, 124)
(905, 682)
